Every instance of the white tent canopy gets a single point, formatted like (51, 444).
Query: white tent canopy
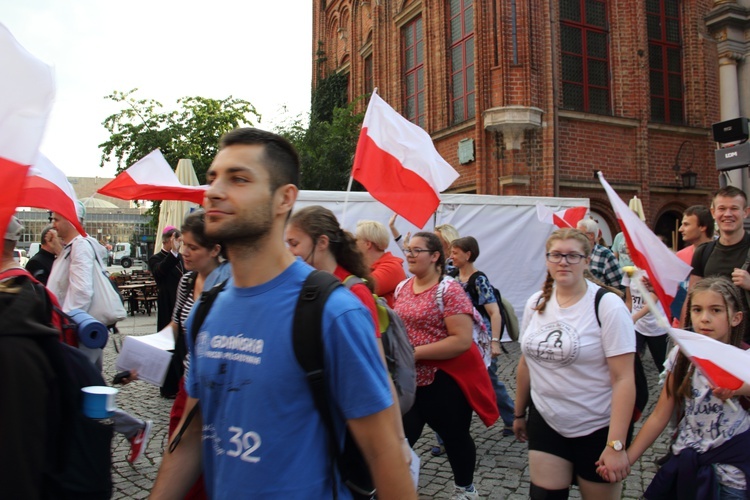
(511, 237)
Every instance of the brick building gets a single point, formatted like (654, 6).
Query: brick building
(531, 97)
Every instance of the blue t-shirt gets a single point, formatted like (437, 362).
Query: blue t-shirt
(262, 436)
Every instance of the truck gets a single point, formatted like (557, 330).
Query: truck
(125, 254)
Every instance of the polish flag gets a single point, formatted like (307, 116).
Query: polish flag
(27, 89)
(48, 187)
(151, 178)
(397, 163)
(724, 365)
(665, 270)
(562, 219)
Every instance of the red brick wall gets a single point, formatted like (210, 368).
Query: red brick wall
(633, 155)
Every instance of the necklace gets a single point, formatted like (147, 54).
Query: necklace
(572, 299)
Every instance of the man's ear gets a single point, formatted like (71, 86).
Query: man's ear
(284, 198)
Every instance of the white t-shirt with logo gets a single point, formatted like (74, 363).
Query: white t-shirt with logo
(648, 324)
(566, 352)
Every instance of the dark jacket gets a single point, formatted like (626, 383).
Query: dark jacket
(167, 270)
(49, 450)
(690, 475)
(40, 265)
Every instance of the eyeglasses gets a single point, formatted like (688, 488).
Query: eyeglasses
(414, 252)
(570, 258)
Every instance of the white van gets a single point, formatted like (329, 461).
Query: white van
(33, 249)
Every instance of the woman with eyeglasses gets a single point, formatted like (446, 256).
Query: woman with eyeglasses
(575, 389)
(450, 370)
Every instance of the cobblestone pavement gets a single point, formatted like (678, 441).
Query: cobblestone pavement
(502, 469)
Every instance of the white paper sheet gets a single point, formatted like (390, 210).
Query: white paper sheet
(151, 362)
(163, 339)
(414, 469)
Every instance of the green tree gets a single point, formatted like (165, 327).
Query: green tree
(327, 144)
(191, 131)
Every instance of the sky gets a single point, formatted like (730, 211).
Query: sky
(256, 50)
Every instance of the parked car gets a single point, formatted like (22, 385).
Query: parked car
(19, 255)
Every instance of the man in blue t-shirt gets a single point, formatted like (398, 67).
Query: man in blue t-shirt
(258, 431)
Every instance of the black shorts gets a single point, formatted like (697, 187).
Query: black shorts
(582, 452)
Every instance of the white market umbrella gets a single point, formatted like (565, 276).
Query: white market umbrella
(173, 212)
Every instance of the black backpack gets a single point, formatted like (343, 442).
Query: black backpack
(80, 458)
(307, 339)
(641, 384)
(510, 320)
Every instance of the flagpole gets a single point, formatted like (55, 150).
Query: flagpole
(346, 200)
(662, 320)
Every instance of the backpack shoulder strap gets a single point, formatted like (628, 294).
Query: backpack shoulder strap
(599, 294)
(399, 287)
(441, 292)
(352, 280)
(471, 286)
(307, 339)
(204, 306)
(708, 249)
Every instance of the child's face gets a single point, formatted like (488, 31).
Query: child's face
(708, 312)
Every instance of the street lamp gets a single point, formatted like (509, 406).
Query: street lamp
(688, 177)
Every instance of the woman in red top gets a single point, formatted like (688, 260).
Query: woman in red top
(314, 234)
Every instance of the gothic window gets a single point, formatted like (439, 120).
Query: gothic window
(665, 61)
(462, 59)
(584, 31)
(412, 46)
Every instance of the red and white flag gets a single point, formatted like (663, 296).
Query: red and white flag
(27, 89)
(48, 187)
(724, 365)
(396, 161)
(151, 178)
(665, 270)
(562, 219)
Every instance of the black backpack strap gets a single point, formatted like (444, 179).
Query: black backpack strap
(599, 294)
(471, 288)
(708, 249)
(204, 306)
(307, 339)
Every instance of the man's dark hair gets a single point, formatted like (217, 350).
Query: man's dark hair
(46, 230)
(168, 234)
(281, 159)
(731, 192)
(705, 219)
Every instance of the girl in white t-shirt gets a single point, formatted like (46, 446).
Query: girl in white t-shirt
(707, 423)
(575, 378)
(648, 331)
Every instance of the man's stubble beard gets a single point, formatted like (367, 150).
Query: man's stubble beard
(246, 232)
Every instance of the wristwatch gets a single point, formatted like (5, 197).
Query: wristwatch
(615, 445)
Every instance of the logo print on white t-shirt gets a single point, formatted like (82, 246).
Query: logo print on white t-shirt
(554, 345)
